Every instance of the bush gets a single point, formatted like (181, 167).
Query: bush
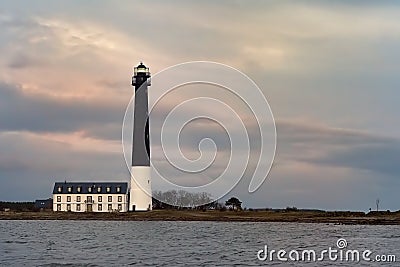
(291, 209)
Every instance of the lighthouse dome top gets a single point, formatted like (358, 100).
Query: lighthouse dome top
(141, 66)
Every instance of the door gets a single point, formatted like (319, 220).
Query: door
(89, 208)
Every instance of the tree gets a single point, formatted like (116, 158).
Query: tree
(235, 203)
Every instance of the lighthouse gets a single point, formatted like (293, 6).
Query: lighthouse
(140, 191)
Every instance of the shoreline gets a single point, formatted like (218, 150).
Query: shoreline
(346, 218)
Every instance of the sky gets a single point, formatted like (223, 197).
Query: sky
(329, 70)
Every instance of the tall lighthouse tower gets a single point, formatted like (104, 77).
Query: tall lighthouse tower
(140, 192)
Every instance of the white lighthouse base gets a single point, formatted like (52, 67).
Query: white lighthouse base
(140, 198)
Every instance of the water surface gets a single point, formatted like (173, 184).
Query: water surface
(150, 243)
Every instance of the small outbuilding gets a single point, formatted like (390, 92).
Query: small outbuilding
(44, 204)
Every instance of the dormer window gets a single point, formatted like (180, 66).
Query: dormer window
(99, 189)
(118, 189)
(78, 189)
(59, 189)
(108, 189)
(69, 189)
(89, 189)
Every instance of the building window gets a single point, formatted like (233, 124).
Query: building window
(99, 189)
(78, 199)
(78, 189)
(100, 199)
(58, 207)
(100, 208)
(109, 207)
(59, 189)
(119, 198)
(58, 198)
(89, 189)
(118, 189)
(78, 207)
(119, 207)
(109, 198)
(108, 189)
(69, 189)
(68, 207)
(89, 199)
(68, 198)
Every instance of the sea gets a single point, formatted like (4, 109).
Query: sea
(174, 243)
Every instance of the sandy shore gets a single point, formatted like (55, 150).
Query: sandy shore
(225, 216)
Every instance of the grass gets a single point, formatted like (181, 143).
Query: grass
(225, 216)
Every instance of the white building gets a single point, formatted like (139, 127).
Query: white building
(90, 197)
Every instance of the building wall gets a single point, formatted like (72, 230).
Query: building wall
(66, 202)
(140, 190)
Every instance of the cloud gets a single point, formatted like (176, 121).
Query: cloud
(20, 61)
(343, 148)
(25, 111)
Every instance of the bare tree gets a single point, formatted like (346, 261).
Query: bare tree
(181, 199)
